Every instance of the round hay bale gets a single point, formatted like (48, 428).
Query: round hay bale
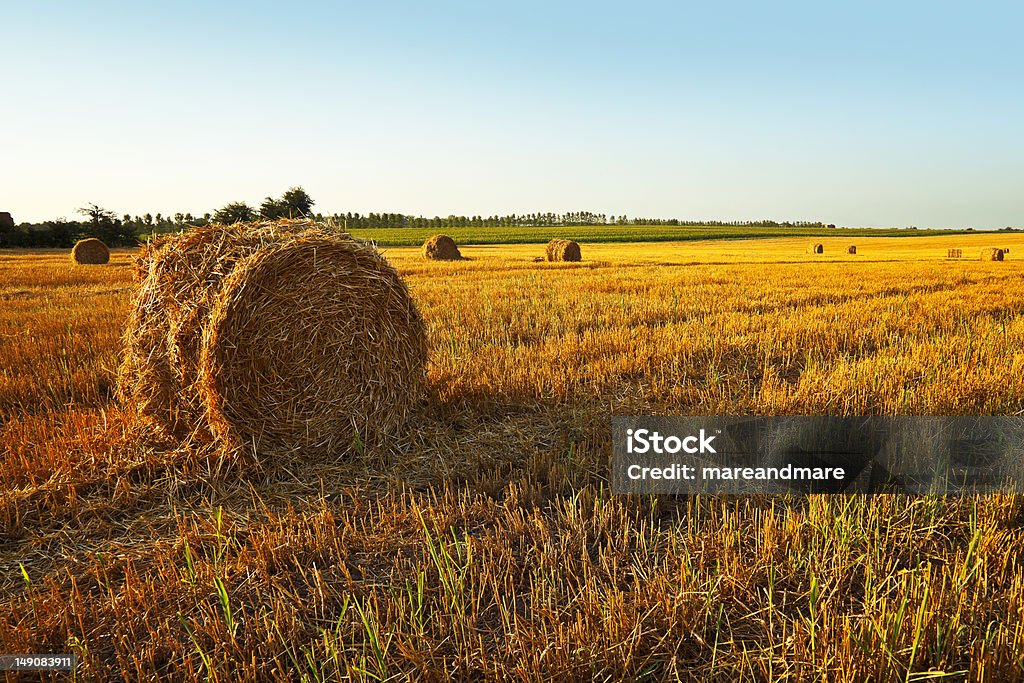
(441, 248)
(992, 254)
(274, 338)
(816, 248)
(182, 276)
(851, 250)
(90, 251)
(563, 250)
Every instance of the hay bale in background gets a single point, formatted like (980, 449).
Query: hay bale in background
(563, 250)
(816, 248)
(90, 251)
(273, 338)
(992, 254)
(851, 250)
(441, 248)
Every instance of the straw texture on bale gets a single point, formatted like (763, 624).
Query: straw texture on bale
(145, 257)
(441, 248)
(851, 250)
(563, 250)
(992, 254)
(90, 251)
(272, 338)
(816, 249)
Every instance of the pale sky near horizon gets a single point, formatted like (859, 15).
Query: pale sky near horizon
(871, 114)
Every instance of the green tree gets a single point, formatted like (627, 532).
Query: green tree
(105, 225)
(296, 202)
(97, 214)
(272, 209)
(235, 212)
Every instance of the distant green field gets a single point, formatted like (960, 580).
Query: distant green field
(398, 237)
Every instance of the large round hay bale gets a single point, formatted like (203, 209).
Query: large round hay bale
(816, 248)
(181, 278)
(90, 251)
(145, 258)
(992, 254)
(563, 250)
(274, 338)
(851, 250)
(441, 248)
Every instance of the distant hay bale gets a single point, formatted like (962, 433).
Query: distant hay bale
(954, 253)
(851, 250)
(816, 248)
(90, 251)
(273, 338)
(441, 248)
(563, 250)
(992, 254)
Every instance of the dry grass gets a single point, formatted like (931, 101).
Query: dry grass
(90, 251)
(488, 546)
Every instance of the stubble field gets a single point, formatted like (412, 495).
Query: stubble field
(486, 544)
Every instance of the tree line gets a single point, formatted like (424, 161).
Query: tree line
(127, 229)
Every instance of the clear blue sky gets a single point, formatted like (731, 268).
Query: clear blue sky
(871, 114)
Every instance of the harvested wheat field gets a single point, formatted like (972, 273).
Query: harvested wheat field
(485, 543)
